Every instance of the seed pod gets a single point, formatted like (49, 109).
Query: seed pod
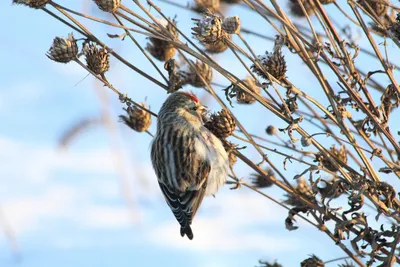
(32, 3)
(204, 5)
(208, 29)
(231, 25)
(262, 181)
(221, 124)
(229, 148)
(97, 60)
(313, 261)
(380, 7)
(245, 98)
(108, 5)
(63, 50)
(138, 119)
(296, 10)
(160, 49)
(191, 77)
(273, 63)
(271, 130)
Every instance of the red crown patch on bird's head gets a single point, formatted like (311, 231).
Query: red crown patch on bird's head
(193, 97)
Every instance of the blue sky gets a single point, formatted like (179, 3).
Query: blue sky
(67, 207)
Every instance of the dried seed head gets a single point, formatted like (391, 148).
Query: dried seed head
(219, 46)
(175, 81)
(32, 3)
(97, 60)
(231, 25)
(338, 154)
(108, 5)
(191, 77)
(313, 261)
(271, 130)
(160, 49)
(63, 50)
(138, 119)
(245, 98)
(208, 29)
(380, 7)
(273, 63)
(296, 10)
(305, 141)
(204, 5)
(261, 181)
(221, 124)
(267, 264)
(304, 190)
(229, 148)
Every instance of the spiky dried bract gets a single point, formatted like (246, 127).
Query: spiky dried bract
(208, 29)
(271, 130)
(229, 148)
(347, 264)
(204, 5)
(273, 63)
(338, 154)
(63, 50)
(198, 70)
(108, 5)
(262, 181)
(243, 97)
(380, 7)
(313, 261)
(296, 9)
(304, 190)
(32, 3)
(138, 119)
(97, 60)
(160, 49)
(221, 124)
(231, 25)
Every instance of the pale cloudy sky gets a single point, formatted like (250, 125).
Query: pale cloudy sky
(67, 207)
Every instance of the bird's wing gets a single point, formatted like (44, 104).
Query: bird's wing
(184, 205)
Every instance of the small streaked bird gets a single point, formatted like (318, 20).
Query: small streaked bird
(189, 161)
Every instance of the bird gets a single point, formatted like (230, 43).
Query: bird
(189, 161)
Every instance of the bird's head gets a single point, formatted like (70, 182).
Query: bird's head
(184, 105)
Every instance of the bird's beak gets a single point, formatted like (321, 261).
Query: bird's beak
(202, 109)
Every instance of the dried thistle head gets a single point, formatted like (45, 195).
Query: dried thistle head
(221, 124)
(271, 130)
(191, 77)
(204, 5)
(108, 5)
(296, 10)
(229, 148)
(63, 50)
(32, 3)
(160, 49)
(208, 29)
(138, 119)
(245, 98)
(338, 154)
(262, 181)
(304, 190)
(97, 59)
(231, 25)
(273, 63)
(219, 46)
(313, 261)
(380, 7)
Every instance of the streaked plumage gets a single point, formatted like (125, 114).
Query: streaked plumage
(189, 160)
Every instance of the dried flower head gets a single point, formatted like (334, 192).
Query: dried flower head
(208, 29)
(271, 130)
(138, 119)
(245, 98)
(313, 261)
(108, 5)
(221, 124)
(219, 46)
(296, 9)
(267, 264)
(273, 63)
(262, 181)
(304, 190)
(231, 25)
(306, 141)
(191, 77)
(204, 5)
(175, 81)
(63, 50)
(380, 7)
(229, 148)
(338, 154)
(160, 49)
(32, 3)
(97, 60)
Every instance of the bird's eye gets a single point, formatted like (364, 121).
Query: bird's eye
(194, 108)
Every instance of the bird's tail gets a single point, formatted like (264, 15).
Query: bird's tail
(187, 231)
